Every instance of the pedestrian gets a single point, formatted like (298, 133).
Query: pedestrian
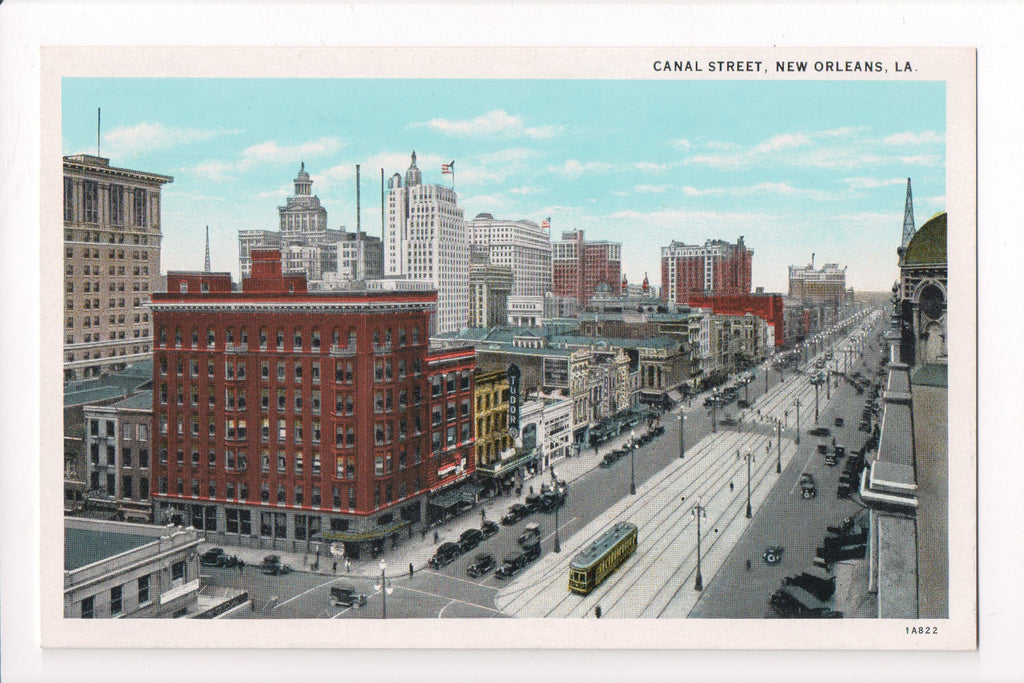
(748, 564)
(436, 537)
(241, 565)
(334, 567)
(730, 486)
(410, 570)
(597, 611)
(348, 566)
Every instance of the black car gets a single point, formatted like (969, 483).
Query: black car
(488, 528)
(509, 568)
(742, 403)
(470, 539)
(211, 557)
(346, 596)
(839, 422)
(819, 431)
(607, 461)
(532, 502)
(515, 513)
(272, 565)
(445, 554)
(482, 564)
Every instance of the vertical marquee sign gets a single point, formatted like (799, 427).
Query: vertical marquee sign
(514, 375)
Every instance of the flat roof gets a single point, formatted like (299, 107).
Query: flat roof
(86, 546)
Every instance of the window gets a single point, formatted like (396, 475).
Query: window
(88, 608)
(281, 496)
(143, 589)
(178, 574)
(140, 207)
(90, 201)
(69, 200)
(298, 495)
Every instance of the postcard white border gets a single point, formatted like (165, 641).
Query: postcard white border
(954, 66)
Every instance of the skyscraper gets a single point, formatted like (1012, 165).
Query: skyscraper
(522, 245)
(111, 263)
(716, 268)
(578, 266)
(426, 239)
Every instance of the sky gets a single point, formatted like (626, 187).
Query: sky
(794, 167)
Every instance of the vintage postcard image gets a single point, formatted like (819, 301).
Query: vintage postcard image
(649, 347)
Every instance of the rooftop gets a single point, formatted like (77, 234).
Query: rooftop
(928, 245)
(86, 546)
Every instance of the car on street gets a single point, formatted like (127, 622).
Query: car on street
(840, 450)
(823, 448)
(806, 478)
(819, 431)
(607, 461)
(831, 459)
(515, 513)
(272, 565)
(510, 567)
(773, 554)
(728, 421)
(482, 564)
(808, 490)
(346, 596)
(445, 554)
(532, 502)
(839, 422)
(211, 557)
(469, 539)
(488, 528)
(743, 403)
(530, 535)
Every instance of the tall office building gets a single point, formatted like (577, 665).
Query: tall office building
(111, 263)
(489, 289)
(308, 247)
(426, 239)
(578, 266)
(281, 414)
(716, 268)
(522, 245)
(824, 285)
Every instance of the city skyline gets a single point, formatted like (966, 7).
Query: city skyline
(795, 168)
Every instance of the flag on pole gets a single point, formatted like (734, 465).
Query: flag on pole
(448, 169)
(546, 223)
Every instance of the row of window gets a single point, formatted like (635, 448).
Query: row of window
(128, 490)
(95, 235)
(380, 342)
(141, 586)
(88, 203)
(120, 254)
(111, 453)
(70, 356)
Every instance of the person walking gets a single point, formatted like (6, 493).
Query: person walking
(334, 567)
(597, 611)
(348, 566)
(410, 570)
(730, 486)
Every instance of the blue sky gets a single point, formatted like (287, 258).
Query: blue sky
(794, 167)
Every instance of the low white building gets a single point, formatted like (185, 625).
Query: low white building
(546, 430)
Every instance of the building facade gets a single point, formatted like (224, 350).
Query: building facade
(116, 570)
(112, 234)
(426, 239)
(922, 295)
(257, 436)
(522, 245)
(118, 443)
(716, 268)
(489, 290)
(492, 437)
(579, 266)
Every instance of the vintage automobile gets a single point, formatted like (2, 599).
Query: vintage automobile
(470, 538)
(346, 596)
(806, 478)
(742, 403)
(840, 450)
(823, 448)
(482, 564)
(515, 513)
(530, 535)
(819, 431)
(808, 490)
(839, 422)
(272, 565)
(488, 528)
(211, 557)
(445, 554)
(728, 421)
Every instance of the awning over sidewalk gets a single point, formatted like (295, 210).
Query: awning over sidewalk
(371, 535)
(505, 466)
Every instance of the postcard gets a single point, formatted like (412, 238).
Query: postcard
(644, 348)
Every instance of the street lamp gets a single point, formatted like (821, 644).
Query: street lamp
(698, 511)
(828, 383)
(632, 450)
(682, 436)
(565, 495)
(798, 422)
(816, 402)
(714, 404)
(749, 458)
(785, 414)
(778, 445)
(385, 588)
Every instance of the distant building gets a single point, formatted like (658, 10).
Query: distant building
(282, 416)
(580, 265)
(527, 311)
(522, 245)
(111, 263)
(489, 290)
(492, 437)
(115, 570)
(327, 257)
(716, 268)
(118, 443)
(427, 239)
(826, 285)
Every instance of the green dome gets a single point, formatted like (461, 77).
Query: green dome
(928, 245)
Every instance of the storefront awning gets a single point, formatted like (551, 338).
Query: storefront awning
(371, 535)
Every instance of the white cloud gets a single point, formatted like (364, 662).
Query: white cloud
(864, 183)
(574, 169)
(680, 143)
(910, 138)
(493, 123)
(130, 141)
(273, 152)
(781, 142)
(651, 189)
(921, 160)
(525, 190)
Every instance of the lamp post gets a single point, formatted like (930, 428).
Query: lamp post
(385, 588)
(746, 389)
(682, 435)
(714, 404)
(698, 511)
(816, 384)
(749, 458)
(798, 422)
(632, 450)
(828, 383)
(565, 492)
(778, 445)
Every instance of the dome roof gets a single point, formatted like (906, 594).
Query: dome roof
(928, 245)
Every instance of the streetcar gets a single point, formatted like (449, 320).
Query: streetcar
(592, 565)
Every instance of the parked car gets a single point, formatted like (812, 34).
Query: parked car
(346, 596)
(510, 567)
(482, 564)
(607, 461)
(272, 565)
(211, 557)
(743, 403)
(831, 459)
(228, 561)
(773, 554)
(808, 490)
(445, 554)
(807, 478)
(488, 528)
(840, 450)
(839, 422)
(515, 513)
(819, 431)
(822, 448)
(474, 536)
(532, 501)
(530, 535)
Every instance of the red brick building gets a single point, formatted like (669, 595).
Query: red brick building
(716, 268)
(282, 417)
(578, 266)
(768, 307)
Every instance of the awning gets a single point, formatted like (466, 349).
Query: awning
(446, 499)
(469, 492)
(371, 535)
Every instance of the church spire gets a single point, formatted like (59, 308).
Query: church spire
(908, 218)
(206, 265)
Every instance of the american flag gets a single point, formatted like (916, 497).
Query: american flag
(546, 223)
(448, 169)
